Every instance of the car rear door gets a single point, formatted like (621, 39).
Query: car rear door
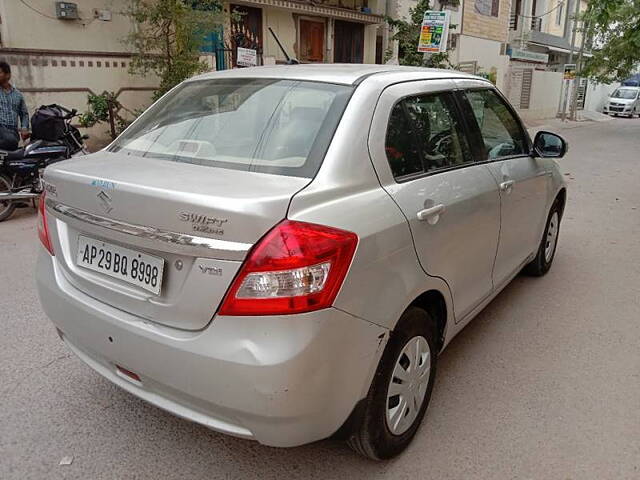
(423, 157)
(523, 181)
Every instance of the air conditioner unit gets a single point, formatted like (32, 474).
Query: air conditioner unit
(67, 11)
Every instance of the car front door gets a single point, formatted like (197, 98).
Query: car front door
(523, 181)
(419, 146)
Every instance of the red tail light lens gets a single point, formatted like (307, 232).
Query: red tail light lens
(296, 267)
(43, 229)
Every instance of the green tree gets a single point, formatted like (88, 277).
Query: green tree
(168, 37)
(613, 27)
(407, 33)
(105, 108)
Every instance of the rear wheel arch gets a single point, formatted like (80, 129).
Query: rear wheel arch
(433, 301)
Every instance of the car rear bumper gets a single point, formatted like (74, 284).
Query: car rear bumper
(283, 381)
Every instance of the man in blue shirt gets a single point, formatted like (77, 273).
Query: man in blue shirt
(12, 109)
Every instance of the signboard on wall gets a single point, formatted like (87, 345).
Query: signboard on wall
(527, 55)
(434, 32)
(247, 57)
(569, 71)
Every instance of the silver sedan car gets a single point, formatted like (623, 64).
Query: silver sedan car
(281, 253)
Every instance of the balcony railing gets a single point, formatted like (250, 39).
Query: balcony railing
(515, 22)
(536, 24)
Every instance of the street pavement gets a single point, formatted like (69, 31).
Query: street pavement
(544, 384)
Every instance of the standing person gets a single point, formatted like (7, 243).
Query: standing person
(12, 109)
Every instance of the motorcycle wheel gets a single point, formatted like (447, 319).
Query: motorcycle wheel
(6, 207)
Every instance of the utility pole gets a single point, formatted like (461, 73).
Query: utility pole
(573, 109)
(573, 46)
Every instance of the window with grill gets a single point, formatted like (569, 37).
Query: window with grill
(491, 8)
(559, 11)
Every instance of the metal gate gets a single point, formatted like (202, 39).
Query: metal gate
(525, 91)
(519, 87)
(582, 93)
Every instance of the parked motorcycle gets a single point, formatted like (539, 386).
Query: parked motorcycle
(53, 139)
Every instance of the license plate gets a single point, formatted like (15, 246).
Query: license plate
(131, 266)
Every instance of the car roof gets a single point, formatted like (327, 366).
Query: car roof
(341, 73)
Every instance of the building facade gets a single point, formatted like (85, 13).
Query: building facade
(61, 60)
(324, 31)
(478, 34)
(479, 39)
(542, 36)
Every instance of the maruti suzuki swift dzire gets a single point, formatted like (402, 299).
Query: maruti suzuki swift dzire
(281, 253)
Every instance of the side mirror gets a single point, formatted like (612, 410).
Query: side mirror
(549, 145)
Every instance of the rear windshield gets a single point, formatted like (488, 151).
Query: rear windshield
(626, 93)
(282, 127)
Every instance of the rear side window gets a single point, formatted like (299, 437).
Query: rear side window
(501, 131)
(424, 134)
(401, 149)
(266, 125)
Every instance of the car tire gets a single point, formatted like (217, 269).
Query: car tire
(6, 208)
(541, 264)
(379, 434)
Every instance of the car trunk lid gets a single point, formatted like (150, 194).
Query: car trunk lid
(201, 221)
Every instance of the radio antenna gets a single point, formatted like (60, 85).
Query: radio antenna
(290, 61)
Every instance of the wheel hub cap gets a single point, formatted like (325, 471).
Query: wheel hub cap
(552, 237)
(408, 385)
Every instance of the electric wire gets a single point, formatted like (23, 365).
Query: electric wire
(37, 11)
(545, 13)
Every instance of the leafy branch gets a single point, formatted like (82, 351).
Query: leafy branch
(168, 37)
(105, 108)
(613, 27)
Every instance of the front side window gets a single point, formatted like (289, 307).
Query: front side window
(424, 135)
(501, 131)
(273, 126)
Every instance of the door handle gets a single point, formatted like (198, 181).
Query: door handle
(507, 186)
(432, 214)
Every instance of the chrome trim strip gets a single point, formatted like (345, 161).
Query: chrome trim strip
(150, 233)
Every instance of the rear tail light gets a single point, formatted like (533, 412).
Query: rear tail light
(43, 228)
(296, 267)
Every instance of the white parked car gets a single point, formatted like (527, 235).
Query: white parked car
(623, 101)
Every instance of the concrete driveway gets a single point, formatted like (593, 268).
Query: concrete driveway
(544, 384)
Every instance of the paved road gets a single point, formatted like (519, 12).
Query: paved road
(544, 384)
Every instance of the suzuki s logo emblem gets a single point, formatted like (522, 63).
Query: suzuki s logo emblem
(105, 201)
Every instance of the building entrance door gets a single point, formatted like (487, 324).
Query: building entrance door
(311, 40)
(348, 42)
